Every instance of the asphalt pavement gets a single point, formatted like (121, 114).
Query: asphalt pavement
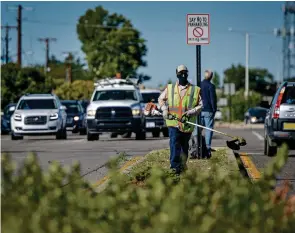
(95, 154)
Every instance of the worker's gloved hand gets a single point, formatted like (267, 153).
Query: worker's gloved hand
(165, 114)
(189, 113)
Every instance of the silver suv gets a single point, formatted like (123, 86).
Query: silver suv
(38, 114)
(279, 126)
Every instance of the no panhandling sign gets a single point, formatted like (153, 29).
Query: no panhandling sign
(197, 29)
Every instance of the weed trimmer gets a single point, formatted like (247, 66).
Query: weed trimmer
(151, 109)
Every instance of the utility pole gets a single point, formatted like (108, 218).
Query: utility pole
(247, 70)
(7, 39)
(69, 60)
(47, 40)
(19, 35)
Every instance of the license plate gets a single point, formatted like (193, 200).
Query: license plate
(150, 125)
(289, 126)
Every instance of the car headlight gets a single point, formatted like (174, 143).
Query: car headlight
(53, 116)
(253, 119)
(136, 112)
(91, 113)
(17, 117)
(76, 118)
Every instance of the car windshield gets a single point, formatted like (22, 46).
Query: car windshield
(115, 95)
(289, 96)
(72, 107)
(28, 104)
(150, 97)
(258, 112)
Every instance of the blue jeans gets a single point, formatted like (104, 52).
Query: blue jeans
(207, 120)
(179, 145)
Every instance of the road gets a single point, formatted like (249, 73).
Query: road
(95, 154)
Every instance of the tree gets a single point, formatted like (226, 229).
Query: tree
(260, 80)
(116, 47)
(17, 82)
(216, 79)
(78, 90)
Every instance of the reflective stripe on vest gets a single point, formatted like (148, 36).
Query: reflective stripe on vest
(178, 106)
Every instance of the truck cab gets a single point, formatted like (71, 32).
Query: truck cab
(154, 124)
(115, 107)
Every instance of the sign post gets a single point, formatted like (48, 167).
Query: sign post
(198, 33)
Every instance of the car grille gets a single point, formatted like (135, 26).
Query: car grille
(35, 120)
(113, 112)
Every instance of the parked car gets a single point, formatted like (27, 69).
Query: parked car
(255, 115)
(38, 114)
(279, 125)
(154, 124)
(5, 118)
(75, 116)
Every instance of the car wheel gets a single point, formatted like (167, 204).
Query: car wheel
(92, 137)
(14, 137)
(165, 132)
(140, 135)
(83, 131)
(114, 135)
(64, 134)
(127, 135)
(270, 150)
(156, 133)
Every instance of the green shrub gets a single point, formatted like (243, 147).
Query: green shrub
(60, 202)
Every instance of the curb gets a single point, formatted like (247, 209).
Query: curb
(232, 160)
(252, 172)
(101, 184)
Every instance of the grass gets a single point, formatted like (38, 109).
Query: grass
(160, 158)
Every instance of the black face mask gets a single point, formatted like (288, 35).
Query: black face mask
(182, 78)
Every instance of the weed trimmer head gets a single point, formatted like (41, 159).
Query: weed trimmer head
(236, 143)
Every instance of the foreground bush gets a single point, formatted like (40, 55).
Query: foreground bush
(60, 202)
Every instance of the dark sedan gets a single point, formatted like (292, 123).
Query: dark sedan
(255, 115)
(75, 116)
(5, 118)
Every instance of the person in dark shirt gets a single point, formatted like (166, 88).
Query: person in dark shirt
(208, 95)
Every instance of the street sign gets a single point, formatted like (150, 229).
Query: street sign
(229, 88)
(197, 29)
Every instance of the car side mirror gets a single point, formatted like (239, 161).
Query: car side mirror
(12, 109)
(63, 107)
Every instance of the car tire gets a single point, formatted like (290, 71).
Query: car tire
(165, 132)
(83, 131)
(113, 135)
(92, 137)
(14, 137)
(156, 133)
(127, 135)
(269, 150)
(140, 135)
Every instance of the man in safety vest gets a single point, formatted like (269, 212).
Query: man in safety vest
(180, 98)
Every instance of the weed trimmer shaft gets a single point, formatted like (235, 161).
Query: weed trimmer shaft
(151, 109)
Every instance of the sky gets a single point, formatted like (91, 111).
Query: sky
(163, 26)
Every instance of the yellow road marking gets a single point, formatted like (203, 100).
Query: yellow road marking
(251, 169)
(123, 168)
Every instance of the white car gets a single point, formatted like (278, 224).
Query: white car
(38, 114)
(115, 107)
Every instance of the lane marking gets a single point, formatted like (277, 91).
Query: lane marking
(261, 138)
(250, 167)
(126, 165)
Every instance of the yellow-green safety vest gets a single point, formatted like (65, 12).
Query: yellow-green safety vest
(178, 106)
